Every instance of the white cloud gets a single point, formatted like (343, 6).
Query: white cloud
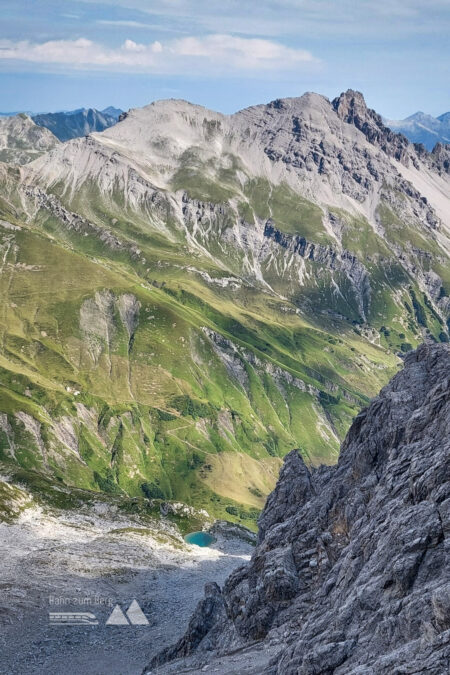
(122, 23)
(225, 53)
(343, 18)
(249, 53)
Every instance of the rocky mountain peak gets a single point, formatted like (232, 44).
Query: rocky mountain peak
(351, 573)
(293, 489)
(351, 107)
(309, 99)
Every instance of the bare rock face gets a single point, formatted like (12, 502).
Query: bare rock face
(351, 107)
(204, 629)
(441, 156)
(21, 140)
(352, 568)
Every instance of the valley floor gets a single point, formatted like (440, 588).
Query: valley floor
(88, 563)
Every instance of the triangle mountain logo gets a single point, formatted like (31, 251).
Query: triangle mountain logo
(136, 616)
(117, 618)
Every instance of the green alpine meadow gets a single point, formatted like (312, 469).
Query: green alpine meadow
(188, 296)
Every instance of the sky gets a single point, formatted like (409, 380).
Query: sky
(226, 55)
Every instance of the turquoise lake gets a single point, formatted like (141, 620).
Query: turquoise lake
(199, 538)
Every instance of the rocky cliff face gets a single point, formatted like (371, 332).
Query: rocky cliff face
(351, 573)
(351, 108)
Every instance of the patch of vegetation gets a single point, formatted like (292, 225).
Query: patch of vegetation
(256, 491)
(242, 513)
(152, 491)
(107, 483)
(165, 416)
(418, 309)
(187, 406)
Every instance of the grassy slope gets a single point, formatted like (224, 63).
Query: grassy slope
(164, 414)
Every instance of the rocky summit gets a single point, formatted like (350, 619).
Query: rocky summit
(351, 573)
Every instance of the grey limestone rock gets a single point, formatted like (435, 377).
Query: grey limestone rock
(352, 565)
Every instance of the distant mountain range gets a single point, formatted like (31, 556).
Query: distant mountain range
(75, 123)
(423, 128)
(26, 136)
(68, 124)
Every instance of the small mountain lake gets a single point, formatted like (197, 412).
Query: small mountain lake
(199, 539)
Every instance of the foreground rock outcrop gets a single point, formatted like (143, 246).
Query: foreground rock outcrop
(351, 573)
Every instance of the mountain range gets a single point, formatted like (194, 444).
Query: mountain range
(81, 122)
(418, 128)
(187, 295)
(24, 136)
(423, 128)
(67, 124)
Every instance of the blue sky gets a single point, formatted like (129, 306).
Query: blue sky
(64, 54)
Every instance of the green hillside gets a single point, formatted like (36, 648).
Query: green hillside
(152, 357)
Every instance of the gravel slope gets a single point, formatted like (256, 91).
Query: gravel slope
(95, 561)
